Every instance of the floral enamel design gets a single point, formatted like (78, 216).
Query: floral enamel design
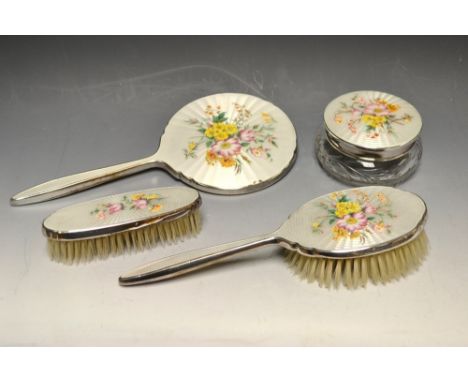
(139, 201)
(375, 116)
(226, 143)
(354, 215)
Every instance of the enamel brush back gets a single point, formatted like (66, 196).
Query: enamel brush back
(355, 222)
(122, 212)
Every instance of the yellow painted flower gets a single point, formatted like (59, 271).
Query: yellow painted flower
(361, 195)
(231, 128)
(346, 208)
(338, 118)
(210, 132)
(221, 136)
(156, 208)
(211, 157)
(392, 107)
(373, 121)
(339, 232)
(137, 196)
(336, 195)
(316, 225)
(191, 146)
(221, 131)
(380, 120)
(382, 197)
(381, 101)
(380, 226)
(365, 118)
(151, 196)
(355, 235)
(227, 161)
(267, 118)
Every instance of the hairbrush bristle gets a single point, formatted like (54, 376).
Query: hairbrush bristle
(76, 251)
(355, 272)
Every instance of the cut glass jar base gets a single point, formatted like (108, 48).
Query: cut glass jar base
(358, 172)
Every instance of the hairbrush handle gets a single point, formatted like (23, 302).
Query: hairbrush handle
(190, 261)
(78, 182)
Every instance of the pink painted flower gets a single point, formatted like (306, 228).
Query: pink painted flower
(362, 100)
(140, 203)
(257, 151)
(351, 127)
(114, 207)
(354, 222)
(101, 215)
(380, 226)
(377, 109)
(369, 209)
(228, 148)
(356, 113)
(247, 135)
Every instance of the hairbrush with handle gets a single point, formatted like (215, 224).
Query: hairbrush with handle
(119, 223)
(224, 144)
(347, 237)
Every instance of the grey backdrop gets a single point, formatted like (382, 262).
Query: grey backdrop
(69, 104)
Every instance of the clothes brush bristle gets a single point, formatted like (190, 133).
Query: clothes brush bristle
(84, 250)
(356, 272)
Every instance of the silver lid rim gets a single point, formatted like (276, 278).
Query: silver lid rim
(362, 153)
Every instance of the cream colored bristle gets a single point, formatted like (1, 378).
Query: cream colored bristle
(76, 251)
(356, 272)
(347, 273)
(337, 276)
(321, 272)
(328, 274)
(364, 273)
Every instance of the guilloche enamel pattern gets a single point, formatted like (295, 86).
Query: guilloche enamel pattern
(346, 237)
(224, 144)
(370, 137)
(120, 223)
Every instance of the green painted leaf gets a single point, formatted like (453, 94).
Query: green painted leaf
(246, 159)
(221, 117)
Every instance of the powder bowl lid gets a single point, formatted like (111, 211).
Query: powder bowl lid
(372, 125)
